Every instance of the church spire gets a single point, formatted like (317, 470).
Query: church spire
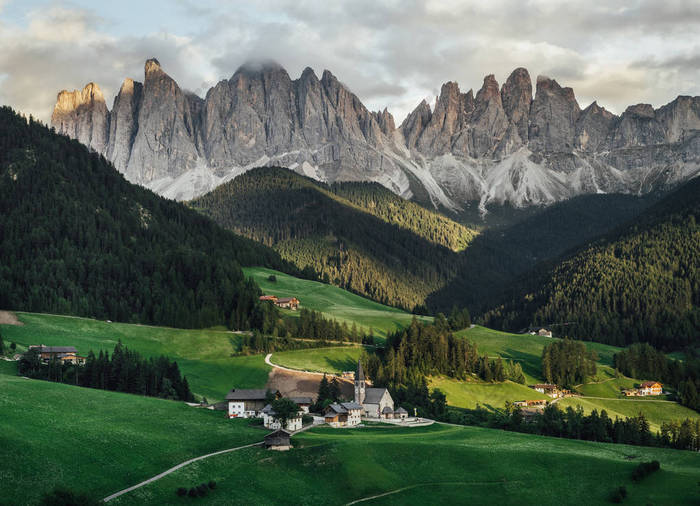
(360, 374)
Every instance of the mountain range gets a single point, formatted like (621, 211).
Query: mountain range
(499, 145)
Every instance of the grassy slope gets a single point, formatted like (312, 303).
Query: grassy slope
(330, 360)
(487, 395)
(203, 355)
(450, 465)
(96, 441)
(334, 302)
(656, 411)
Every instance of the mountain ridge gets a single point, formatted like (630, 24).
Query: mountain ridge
(500, 145)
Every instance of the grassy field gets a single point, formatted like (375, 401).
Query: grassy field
(331, 360)
(525, 348)
(610, 388)
(334, 302)
(95, 441)
(433, 465)
(488, 395)
(203, 355)
(655, 411)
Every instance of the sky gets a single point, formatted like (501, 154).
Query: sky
(390, 53)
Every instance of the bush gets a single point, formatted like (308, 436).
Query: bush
(63, 497)
(619, 494)
(181, 491)
(202, 490)
(645, 469)
(192, 492)
(272, 278)
(212, 484)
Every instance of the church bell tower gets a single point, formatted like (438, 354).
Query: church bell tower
(359, 384)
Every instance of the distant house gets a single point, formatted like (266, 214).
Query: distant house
(278, 440)
(401, 414)
(247, 403)
(288, 303)
(345, 414)
(271, 421)
(650, 388)
(304, 403)
(372, 400)
(531, 403)
(548, 389)
(64, 354)
(283, 302)
(630, 392)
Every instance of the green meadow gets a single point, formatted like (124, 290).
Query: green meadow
(97, 442)
(204, 356)
(333, 360)
(491, 396)
(334, 302)
(432, 465)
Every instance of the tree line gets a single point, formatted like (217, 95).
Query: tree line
(568, 363)
(125, 371)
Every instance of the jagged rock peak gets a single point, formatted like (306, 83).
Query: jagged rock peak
(70, 100)
(152, 65)
(640, 110)
(489, 89)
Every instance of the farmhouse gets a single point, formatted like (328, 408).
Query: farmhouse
(65, 354)
(548, 389)
(650, 388)
(271, 421)
(244, 403)
(279, 440)
(530, 403)
(373, 400)
(304, 403)
(283, 302)
(345, 414)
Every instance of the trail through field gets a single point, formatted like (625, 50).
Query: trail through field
(173, 469)
(450, 483)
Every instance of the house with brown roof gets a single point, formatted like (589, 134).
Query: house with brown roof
(279, 440)
(63, 354)
(344, 414)
(288, 303)
(650, 388)
(248, 403)
(548, 389)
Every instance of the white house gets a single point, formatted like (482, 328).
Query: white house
(272, 422)
(247, 403)
(304, 403)
(345, 414)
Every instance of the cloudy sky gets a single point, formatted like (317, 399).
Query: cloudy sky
(392, 53)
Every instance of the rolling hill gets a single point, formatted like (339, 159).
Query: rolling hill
(640, 283)
(77, 238)
(357, 236)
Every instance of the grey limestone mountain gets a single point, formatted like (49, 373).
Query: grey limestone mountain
(501, 145)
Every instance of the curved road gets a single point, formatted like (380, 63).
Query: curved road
(267, 361)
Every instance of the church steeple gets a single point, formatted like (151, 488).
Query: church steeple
(359, 384)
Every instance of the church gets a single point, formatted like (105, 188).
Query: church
(375, 402)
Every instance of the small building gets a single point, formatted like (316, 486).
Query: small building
(345, 414)
(630, 392)
(279, 440)
(544, 332)
(304, 403)
(288, 303)
(650, 388)
(268, 298)
(400, 413)
(547, 389)
(271, 421)
(387, 413)
(530, 403)
(247, 403)
(64, 354)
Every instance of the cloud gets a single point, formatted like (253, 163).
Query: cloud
(390, 53)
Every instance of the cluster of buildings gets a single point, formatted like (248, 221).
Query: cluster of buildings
(368, 402)
(282, 302)
(63, 354)
(644, 389)
(551, 390)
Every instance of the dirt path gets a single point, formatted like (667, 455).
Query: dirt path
(173, 469)
(9, 318)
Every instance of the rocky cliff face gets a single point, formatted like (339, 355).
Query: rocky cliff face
(500, 145)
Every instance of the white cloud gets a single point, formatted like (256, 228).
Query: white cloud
(391, 53)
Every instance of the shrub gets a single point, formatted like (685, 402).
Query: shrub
(272, 278)
(64, 497)
(645, 469)
(619, 494)
(212, 484)
(192, 492)
(181, 491)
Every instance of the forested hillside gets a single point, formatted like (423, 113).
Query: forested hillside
(357, 236)
(641, 283)
(500, 254)
(77, 238)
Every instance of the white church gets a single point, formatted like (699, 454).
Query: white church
(375, 402)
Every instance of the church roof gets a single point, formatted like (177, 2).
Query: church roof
(387, 409)
(360, 375)
(374, 395)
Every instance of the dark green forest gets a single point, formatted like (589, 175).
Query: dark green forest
(641, 283)
(77, 238)
(358, 236)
